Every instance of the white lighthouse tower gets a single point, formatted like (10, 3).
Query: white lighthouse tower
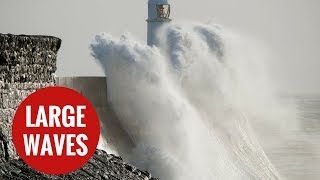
(158, 14)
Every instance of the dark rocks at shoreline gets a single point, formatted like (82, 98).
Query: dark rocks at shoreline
(100, 166)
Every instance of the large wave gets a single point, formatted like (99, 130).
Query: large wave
(189, 104)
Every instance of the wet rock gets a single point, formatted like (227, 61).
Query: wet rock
(100, 166)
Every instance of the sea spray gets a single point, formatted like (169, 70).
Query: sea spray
(188, 104)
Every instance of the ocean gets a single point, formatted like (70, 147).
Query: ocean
(299, 158)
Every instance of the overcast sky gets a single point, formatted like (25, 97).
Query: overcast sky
(290, 28)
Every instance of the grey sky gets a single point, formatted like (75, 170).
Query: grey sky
(290, 28)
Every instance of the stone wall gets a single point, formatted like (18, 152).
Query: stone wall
(28, 59)
(27, 63)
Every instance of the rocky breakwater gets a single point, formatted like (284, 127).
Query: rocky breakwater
(28, 63)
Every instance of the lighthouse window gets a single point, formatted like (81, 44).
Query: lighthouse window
(163, 10)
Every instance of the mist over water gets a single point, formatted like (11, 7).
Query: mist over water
(190, 104)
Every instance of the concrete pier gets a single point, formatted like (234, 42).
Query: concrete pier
(116, 140)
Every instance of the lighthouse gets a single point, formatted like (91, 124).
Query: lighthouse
(158, 15)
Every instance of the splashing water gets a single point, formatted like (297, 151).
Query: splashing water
(189, 103)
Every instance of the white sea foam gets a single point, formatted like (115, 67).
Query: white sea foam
(189, 103)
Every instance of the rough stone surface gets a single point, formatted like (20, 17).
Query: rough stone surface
(28, 63)
(100, 166)
(28, 58)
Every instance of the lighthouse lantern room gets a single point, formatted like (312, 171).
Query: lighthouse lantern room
(163, 11)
